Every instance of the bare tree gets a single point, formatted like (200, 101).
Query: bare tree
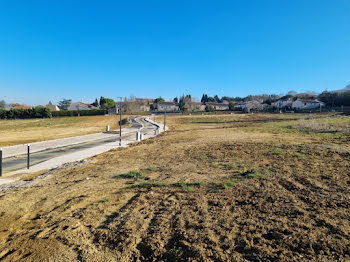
(2, 104)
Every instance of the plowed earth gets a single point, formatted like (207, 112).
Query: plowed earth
(209, 191)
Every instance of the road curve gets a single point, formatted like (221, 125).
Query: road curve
(13, 164)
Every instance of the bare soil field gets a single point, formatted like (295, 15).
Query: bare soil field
(22, 131)
(213, 188)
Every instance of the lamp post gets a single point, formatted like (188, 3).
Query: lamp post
(120, 121)
(28, 156)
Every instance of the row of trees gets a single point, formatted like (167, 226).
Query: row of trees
(335, 99)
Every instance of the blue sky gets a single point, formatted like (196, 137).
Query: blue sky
(57, 49)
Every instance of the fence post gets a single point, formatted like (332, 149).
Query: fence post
(28, 156)
(0, 161)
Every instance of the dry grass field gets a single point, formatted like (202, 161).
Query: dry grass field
(13, 132)
(213, 188)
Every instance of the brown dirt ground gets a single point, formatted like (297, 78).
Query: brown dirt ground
(249, 193)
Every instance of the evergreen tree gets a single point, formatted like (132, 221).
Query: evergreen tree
(64, 104)
(96, 103)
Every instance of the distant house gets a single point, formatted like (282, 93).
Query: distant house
(167, 107)
(307, 104)
(81, 106)
(52, 107)
(148, 101)
(239, 106)
(194, 106)
(253, 106)
(20, 106)
(144, 104)
(113, 111)
(8, 106)
(218, 106)
(142, 107)
(283, 104)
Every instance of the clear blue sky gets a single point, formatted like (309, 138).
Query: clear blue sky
(53, 49)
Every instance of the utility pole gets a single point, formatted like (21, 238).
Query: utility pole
(120, 121)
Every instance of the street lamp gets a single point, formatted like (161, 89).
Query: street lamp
(120, 121)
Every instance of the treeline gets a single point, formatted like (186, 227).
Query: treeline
(335, 99)
(44, 112)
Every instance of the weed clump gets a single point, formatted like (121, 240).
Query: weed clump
(227, 184)
(254, 174)
(133, 175)
(230, 166)
(151, 169)
(277, 151)
(189, 187)
(149, 185)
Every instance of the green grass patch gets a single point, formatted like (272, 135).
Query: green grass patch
(227, 184)
(298, 155)
(151, 169)
(277, 151)
(133, 175)
(230, 166)
(149, 184)
(189, 187)
(190, 184)
(254, 174)
(213, 165)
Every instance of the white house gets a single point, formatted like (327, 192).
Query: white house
(307, 104)
(52, 107)
(280, 104)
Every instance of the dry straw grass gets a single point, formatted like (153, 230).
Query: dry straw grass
(322, 125)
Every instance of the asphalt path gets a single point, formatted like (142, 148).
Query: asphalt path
(19, 162)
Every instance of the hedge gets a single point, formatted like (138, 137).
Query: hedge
(93, 112)
(35, 112)
(43, 112)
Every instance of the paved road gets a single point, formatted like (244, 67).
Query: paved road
(19, 162)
